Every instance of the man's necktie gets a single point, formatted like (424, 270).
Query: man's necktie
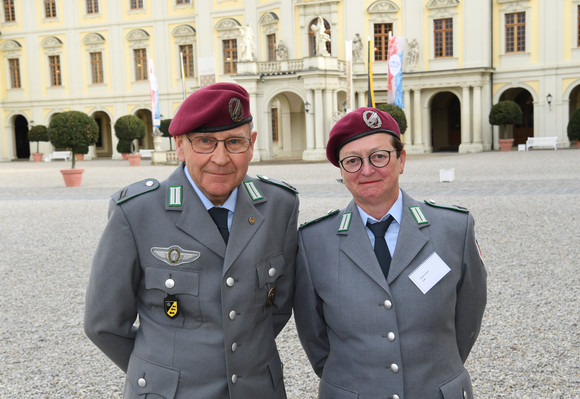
(381, 249)
(220, 218)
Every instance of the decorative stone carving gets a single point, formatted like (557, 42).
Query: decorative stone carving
(321, 37)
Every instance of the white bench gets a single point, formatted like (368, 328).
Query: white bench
(542, 142)
(64, 155)
(146, 153)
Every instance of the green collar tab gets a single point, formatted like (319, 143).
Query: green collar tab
(345, 222)
(418, 215)
(330, 213)
(175, 196)
(255, 194)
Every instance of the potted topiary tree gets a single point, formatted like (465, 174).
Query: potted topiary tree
(505, 114)
(37, 133)
(130, 128)
(574, 127)
(164, 129)
(124, 148)
(397, 113)
(81, 151)
(71, 130)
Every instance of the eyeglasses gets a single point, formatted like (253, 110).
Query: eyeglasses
(379, 159)
(207, 145)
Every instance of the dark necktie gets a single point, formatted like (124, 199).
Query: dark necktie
(220, 218)
(381, 249)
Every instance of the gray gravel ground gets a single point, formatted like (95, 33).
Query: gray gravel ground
(526, 206)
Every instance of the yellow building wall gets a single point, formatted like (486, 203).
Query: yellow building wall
(136, 15)
(18, 25)
(45, 68)
(534, 45)
(534, 84)
(50, 23)
(85, 19)
(129, 62)
(107, 64)
(460, 35)
(567, 82)
(174, 10)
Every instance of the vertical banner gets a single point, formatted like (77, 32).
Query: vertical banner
(206, 68)
(349, 91)
(182, 68)
(371, 92)
(154, 91)
(395, 75)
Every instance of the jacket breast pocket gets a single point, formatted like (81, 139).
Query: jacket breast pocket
(173, 297)
(268, 271)
(459, 387)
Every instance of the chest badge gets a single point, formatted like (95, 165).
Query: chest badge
(175, 255)
(271, 297)
(171, 306)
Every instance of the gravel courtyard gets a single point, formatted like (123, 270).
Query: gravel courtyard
(527, 211)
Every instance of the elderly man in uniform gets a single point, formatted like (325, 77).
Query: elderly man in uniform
(203, 260)
(390, 292)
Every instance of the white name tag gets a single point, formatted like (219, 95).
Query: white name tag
(429, 273)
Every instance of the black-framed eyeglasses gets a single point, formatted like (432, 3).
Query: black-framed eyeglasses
(379, 159)
(207, 145)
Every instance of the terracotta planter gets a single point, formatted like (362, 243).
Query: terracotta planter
(80, 157)
(134, 159)
(72, 177)
(37, 156)
(506, 144)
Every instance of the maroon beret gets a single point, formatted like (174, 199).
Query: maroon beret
(214, 108)
(356, 124)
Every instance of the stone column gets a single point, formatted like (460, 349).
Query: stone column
(465, 117)
(409, 132)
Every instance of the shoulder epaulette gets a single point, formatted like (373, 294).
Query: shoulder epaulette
(451, 207)
(276, 182)
(318, 219)
(135, 190)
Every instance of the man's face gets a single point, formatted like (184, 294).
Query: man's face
(373, 187)
(219, 173)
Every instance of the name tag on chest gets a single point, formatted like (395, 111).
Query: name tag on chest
(429, 273)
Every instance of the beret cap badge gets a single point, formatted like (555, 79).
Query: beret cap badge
(236, 109)
(372, 119)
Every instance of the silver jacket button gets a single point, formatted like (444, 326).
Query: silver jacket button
(230, 282)
(142, 382)
(395, 396)
(391, 336)
(232, 315)
(234, 347)
(388, 304)
(234, 378)
(272, 272)
(169, 283)
(394, 368)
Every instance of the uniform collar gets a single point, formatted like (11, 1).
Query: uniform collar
(230, 203)
(396, 212)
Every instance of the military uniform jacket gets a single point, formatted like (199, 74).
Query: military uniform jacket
(161, 254)
(370, 339)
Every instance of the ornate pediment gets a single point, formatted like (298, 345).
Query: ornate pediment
(93, 38)
(268, 18)
(10, 45)
(227, 24)
(183, 30)
(137, 34)
(51, 42)
(382, 6)
(442, 4)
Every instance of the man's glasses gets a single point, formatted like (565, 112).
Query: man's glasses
(379, 159)
(207, 145)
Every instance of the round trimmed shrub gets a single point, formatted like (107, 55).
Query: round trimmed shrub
(71, 130)
(38, 133)
(397, 113)
(129, 128)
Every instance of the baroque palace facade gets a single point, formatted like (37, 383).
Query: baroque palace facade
(461, 57)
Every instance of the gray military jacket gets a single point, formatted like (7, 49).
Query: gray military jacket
(207, 314)
(368, 338)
